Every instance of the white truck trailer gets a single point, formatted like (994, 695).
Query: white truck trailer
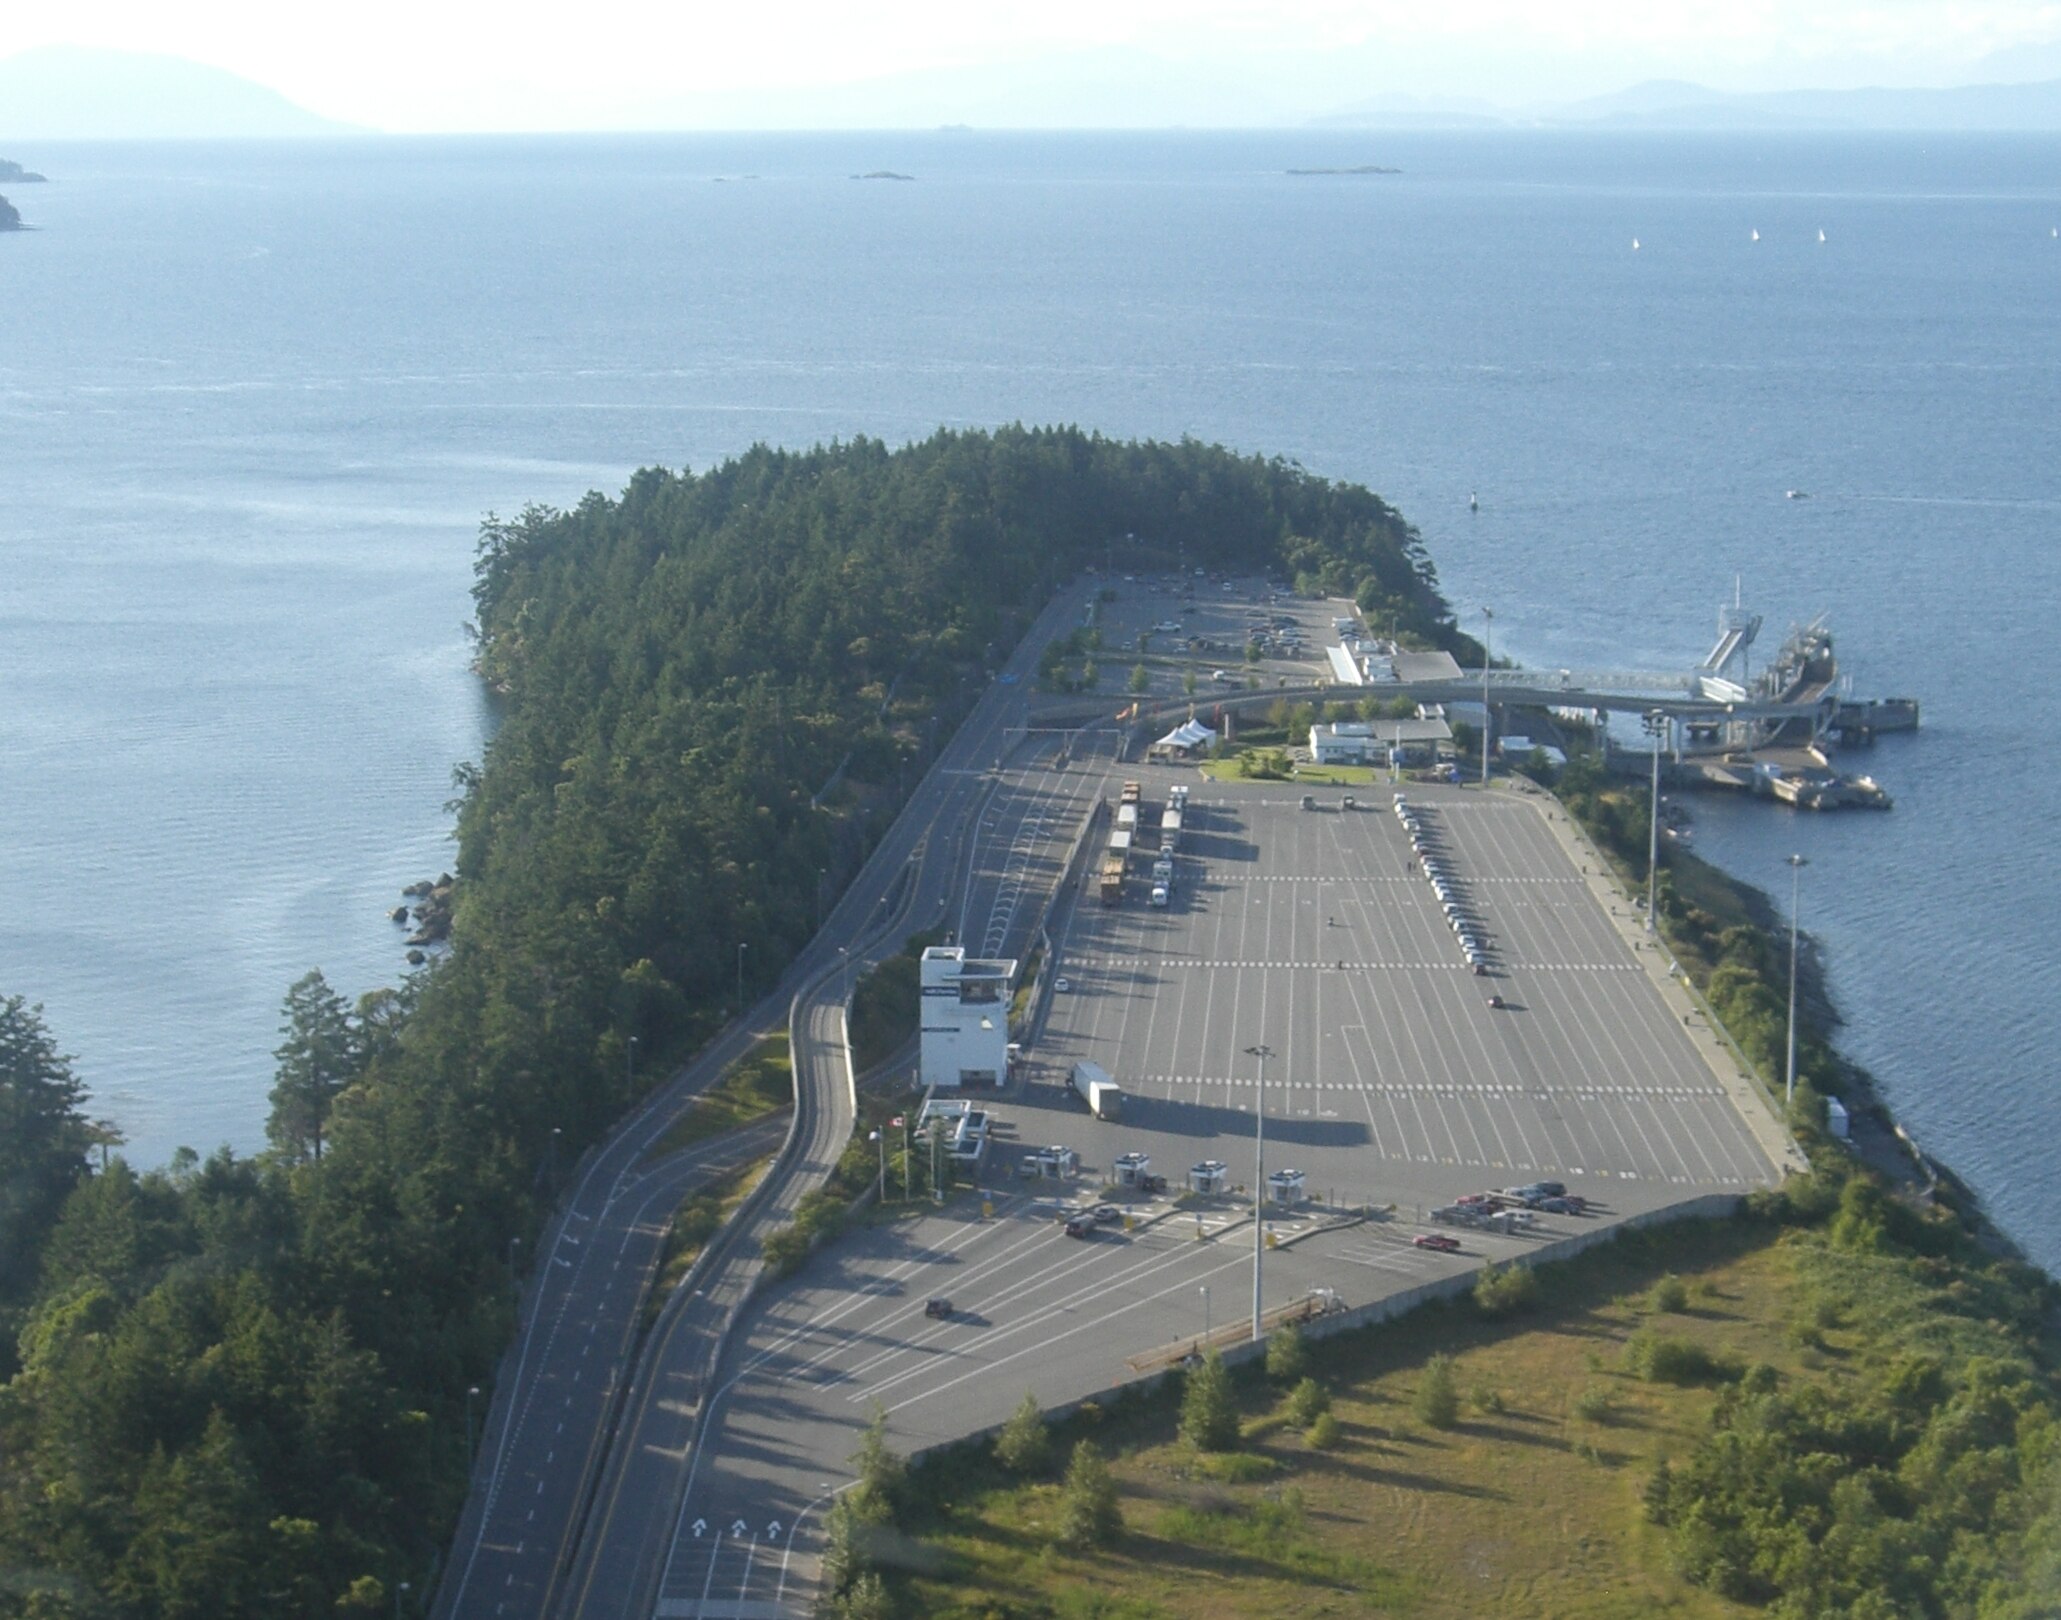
(1104, 1097)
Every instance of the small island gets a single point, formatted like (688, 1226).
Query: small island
(883, 174)
(10, 216)
(1362, 168)
(11, 170)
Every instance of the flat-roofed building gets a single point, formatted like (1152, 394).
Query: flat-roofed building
(1368, 742)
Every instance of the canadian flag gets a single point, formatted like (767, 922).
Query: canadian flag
(898, 1121)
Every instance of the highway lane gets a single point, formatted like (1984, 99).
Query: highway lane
(507, 1558)
(643, 1498)
(557, 1392)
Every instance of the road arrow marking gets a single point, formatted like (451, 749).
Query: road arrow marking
(773, 1529)
(739, 1528)
(699, 1526)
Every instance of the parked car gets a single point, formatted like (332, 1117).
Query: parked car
(939, 1307)
(1496, 1001)
(1107, 1215)
(1444, 1242)
(1081, 1226)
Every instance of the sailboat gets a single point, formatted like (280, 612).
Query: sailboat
(1635, 244)
(1756, 236)
(1473, 502)
(1821, 236)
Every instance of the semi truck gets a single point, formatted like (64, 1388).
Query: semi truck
(1104, 1097)
(1112, 879)
(1133, 792)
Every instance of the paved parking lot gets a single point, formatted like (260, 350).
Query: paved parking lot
(1393, 1086)
(1392, 1079)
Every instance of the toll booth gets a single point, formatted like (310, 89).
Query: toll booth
(1210, 1176)
(1051, 1164)
(1132, 1169)
(1286, 1187)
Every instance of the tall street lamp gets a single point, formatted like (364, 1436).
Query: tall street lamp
(1656, 724)
(471, 1395)
(1488, 627)
(1259, 1180)
(630, 1067)
(742, 947)
(1796, 865)
(1205, 1316)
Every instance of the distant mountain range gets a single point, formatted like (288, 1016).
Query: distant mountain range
(1674, 104)
(68, 93)
(73, 93)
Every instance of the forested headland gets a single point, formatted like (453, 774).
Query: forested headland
(236, 1386)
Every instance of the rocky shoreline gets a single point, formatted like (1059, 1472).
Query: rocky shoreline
(431, 915)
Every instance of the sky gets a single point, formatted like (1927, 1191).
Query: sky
(432, 65)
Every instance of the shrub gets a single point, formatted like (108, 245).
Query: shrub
(1663, 1359)
(1485, 1398)
(1024, 1445)
(1322, 1435)
(1088, 1512)
(1506, 1290)
(1670, 1293)
(1287, 1359)
(1307, 1402)
(1209, 1416)
(1595, 1405)
(1436, 1400)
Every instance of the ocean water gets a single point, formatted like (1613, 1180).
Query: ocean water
(254, 400)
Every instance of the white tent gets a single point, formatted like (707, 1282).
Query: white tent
(1188, 736)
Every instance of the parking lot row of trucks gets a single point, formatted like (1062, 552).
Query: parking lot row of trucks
(1116, 859)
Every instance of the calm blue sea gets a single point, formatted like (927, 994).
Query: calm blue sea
(254, 400)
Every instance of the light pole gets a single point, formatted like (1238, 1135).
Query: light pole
(400, 1591)
(1259, 1180)
(881, 1138)
(1488, 629)
(1796, 865)
(742, 947)
(471, 1395)
(1655, 722)
(1205, 1316)
(630, 1067)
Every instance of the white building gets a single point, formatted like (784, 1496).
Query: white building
(1367, 742)
(965, 1019)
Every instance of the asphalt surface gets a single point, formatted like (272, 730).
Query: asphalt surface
(1393, 1086)
(651, 1490)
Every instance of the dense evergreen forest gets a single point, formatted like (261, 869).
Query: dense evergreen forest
(236, 1386)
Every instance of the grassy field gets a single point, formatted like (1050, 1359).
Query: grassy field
(760, 1083)
(1529, 1506)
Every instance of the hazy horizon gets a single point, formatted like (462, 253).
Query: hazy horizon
(913, 63)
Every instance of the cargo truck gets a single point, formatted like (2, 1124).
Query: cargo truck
(1133, 792)
(1112, 879)
(1103, 1096)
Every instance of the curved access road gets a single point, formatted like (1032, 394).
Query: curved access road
(544, 1514)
